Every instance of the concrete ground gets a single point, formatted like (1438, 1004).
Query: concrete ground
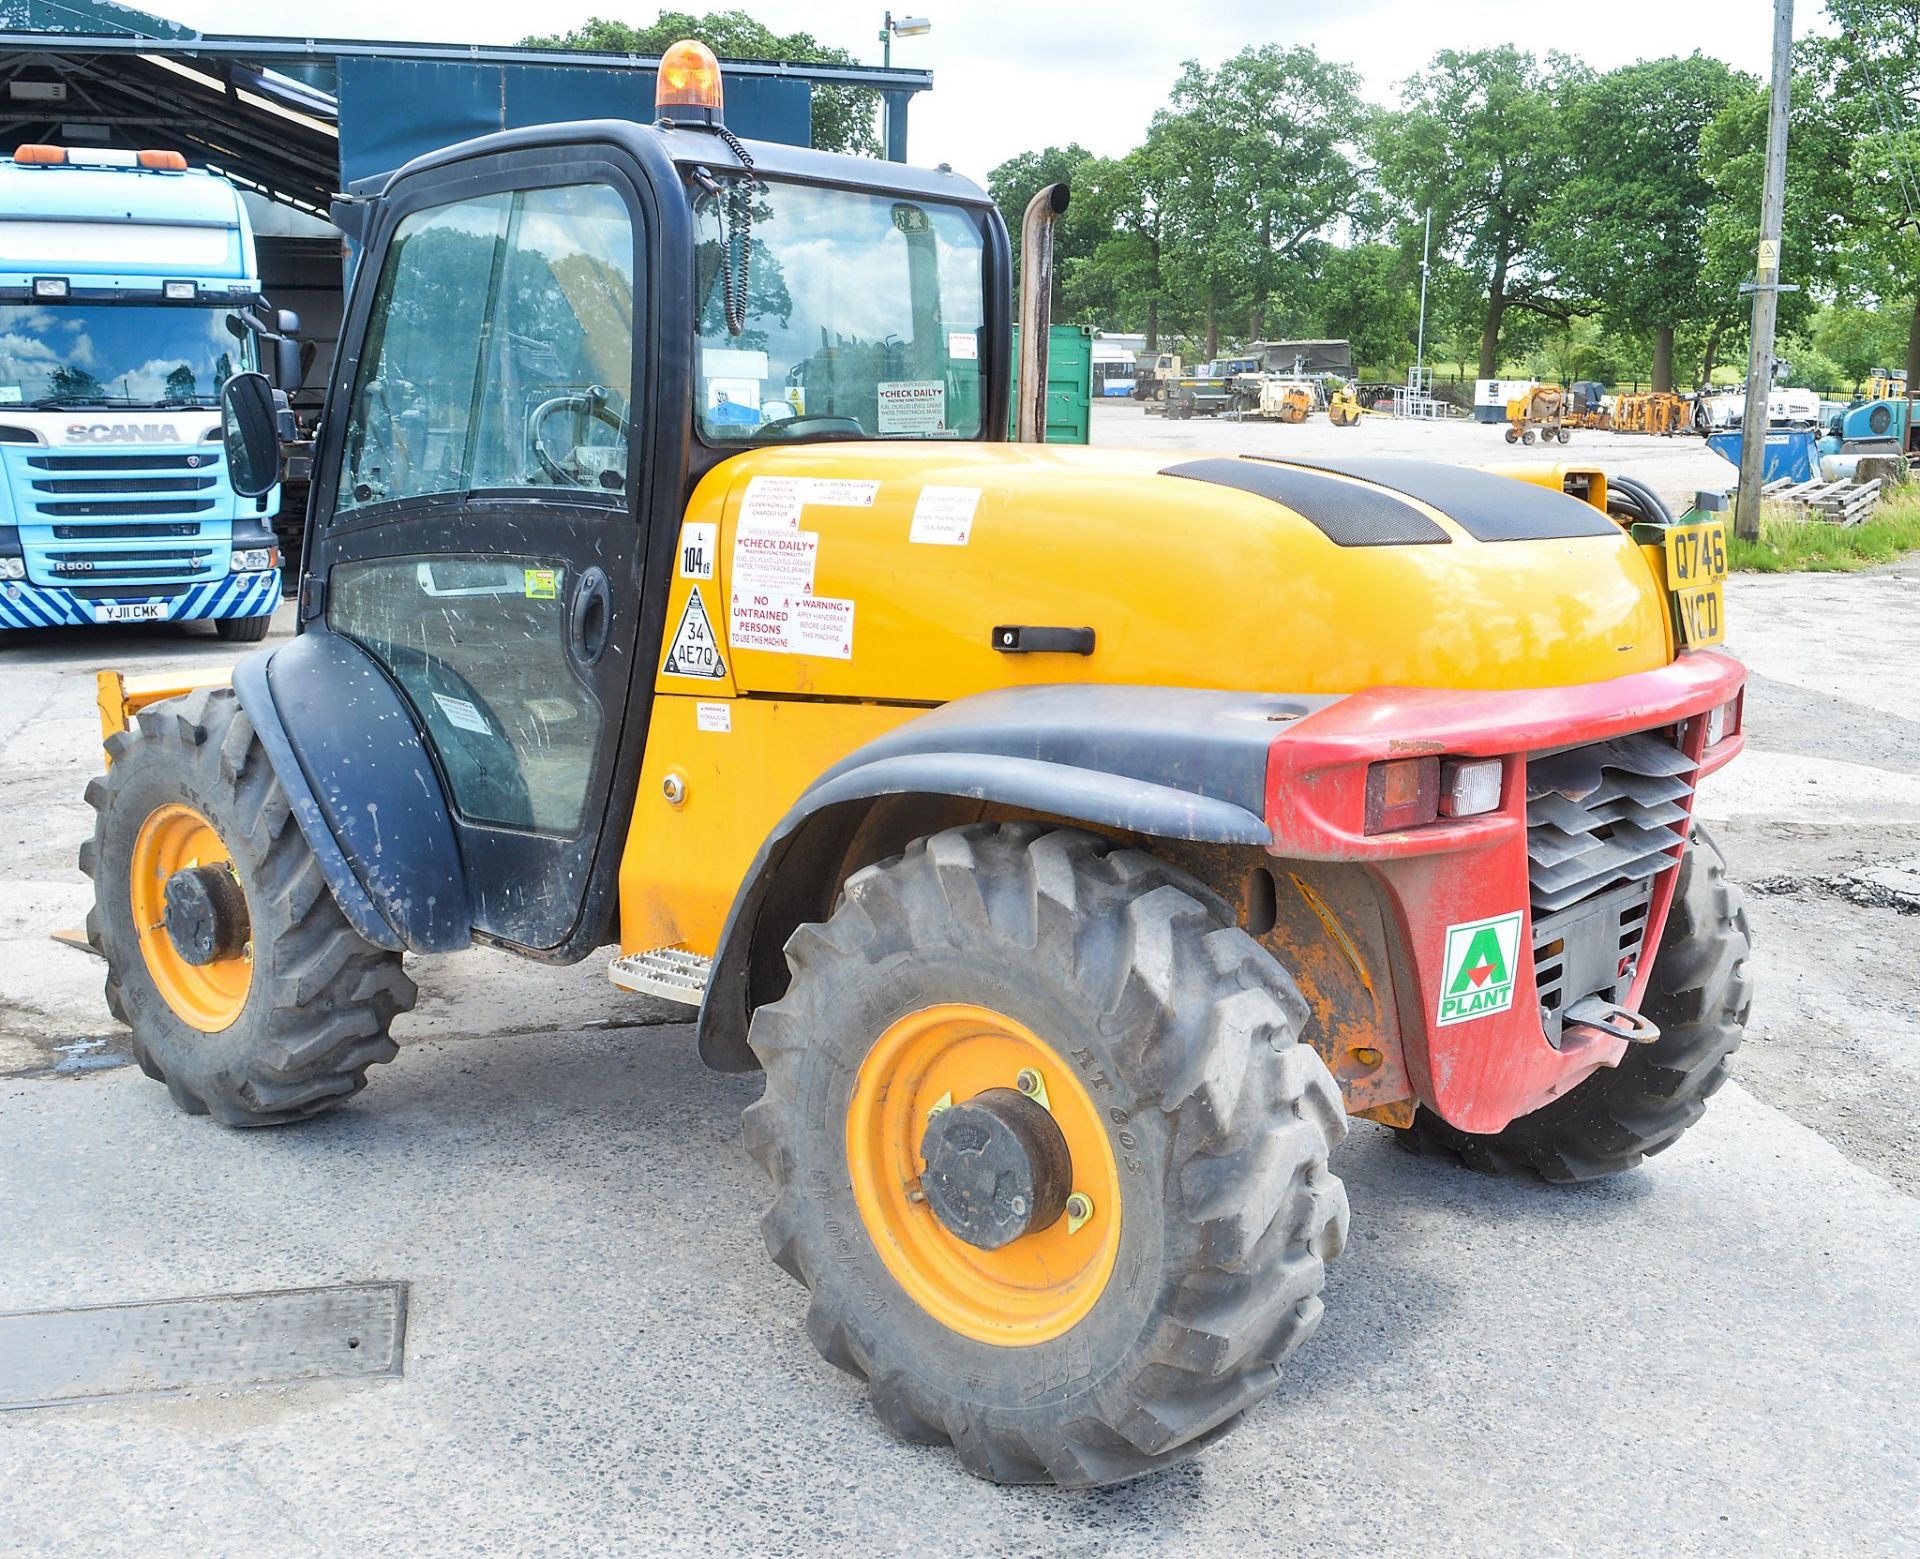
(1717, 1353)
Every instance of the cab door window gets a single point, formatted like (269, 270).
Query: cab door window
(499, 354)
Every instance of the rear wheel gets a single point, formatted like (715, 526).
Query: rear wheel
(248, 994)
(243, 630)
(1048, 1153)
(1698, 993)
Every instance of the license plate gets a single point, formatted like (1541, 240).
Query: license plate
(1696, 570)
(130, 612)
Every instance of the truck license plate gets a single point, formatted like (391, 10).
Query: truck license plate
(130, 612)
(1696, 572)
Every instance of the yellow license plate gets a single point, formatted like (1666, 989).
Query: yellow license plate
(1696, 568)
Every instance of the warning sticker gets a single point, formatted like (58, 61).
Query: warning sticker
(913, 406)
(774, 502)
(963, 346)
(463, 714)
(713, 717)
(792, 625)
(773, 562)
(943, 516)
(698, 544)
(542, 584)
(693, 652)
(1477, 976)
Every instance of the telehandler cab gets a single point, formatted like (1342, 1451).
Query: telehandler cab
(1075, 837)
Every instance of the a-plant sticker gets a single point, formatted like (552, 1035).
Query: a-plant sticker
(694, 651)
(1478, 974)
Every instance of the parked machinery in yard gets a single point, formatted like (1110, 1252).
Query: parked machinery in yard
(1539, 412)
(1659, 412)
(1343, 407)
(968, 788)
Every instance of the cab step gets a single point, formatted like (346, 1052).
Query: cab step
(670, 972)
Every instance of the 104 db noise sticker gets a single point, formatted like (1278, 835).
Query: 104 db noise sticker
(694, 652)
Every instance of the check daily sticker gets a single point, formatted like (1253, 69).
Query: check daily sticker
(943, 516)
(912, 406)
(775, 502)
(773, 562)
(1479, 970)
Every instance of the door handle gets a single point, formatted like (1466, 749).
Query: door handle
(590, 617)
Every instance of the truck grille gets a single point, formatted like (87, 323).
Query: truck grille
(1602, 823)
(196, 462)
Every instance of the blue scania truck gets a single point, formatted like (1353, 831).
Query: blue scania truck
(129, 294)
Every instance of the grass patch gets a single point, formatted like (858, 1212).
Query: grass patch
(1791, 545)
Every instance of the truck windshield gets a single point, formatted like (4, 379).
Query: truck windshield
(117, 354)
(862, 316)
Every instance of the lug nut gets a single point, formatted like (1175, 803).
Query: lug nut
(1028, 1082)
(1079, 1210)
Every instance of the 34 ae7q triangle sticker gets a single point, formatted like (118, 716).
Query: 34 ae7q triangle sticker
(694, 651)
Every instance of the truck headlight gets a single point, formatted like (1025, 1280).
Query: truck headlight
(13, 568)
(251, 560)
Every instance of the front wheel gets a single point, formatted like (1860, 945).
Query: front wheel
(248, 993)
(1048, 1153)
(243, 630)
(1698, 992)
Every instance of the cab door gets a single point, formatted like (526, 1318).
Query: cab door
(481, 524)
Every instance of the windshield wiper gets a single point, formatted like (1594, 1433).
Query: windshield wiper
(62, 402)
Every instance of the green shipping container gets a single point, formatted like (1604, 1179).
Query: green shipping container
(1069, 384)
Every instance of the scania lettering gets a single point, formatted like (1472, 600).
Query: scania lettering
(129, 293)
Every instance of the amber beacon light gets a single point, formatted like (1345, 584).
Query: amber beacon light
(688, 89)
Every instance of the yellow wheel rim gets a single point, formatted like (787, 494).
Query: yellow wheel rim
(1037, 1287)
(208, 996)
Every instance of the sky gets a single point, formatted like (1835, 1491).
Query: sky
(1012, 76)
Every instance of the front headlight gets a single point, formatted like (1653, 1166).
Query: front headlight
(13, 568)
(253, 559)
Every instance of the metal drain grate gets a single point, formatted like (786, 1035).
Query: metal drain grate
(349, 1331)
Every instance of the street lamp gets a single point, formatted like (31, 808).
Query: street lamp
(906, 27)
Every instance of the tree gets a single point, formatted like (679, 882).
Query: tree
(1369, 294)
(843, 117)
(1124, 278)
(1858, 340)
(1480, 143)
(1627, 228)
(1017, 180)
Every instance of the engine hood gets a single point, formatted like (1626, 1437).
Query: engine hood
(892, 571)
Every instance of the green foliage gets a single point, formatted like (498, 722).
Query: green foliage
(843, 117)
(1859, 340)
(1789, 544)
(1369, 294)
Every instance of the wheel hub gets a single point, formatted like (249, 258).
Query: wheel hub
(997, 1168)
(205, 914)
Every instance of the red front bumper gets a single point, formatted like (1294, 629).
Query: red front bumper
(1480, 1072)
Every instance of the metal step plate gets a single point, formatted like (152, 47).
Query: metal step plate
(350, 1331)
(671, 972)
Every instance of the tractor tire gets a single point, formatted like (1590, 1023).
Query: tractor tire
(279, 1029)
(1212, 1209)
(243, 630)
(1698, 993)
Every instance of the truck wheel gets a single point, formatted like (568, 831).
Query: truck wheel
(243, 630)
(1048, 1152)
(1698, 993)
(248, 994)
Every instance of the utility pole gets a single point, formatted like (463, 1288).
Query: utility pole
(1766, 281)
(1420, 351)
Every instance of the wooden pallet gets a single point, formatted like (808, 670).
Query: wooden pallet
(1835, 503)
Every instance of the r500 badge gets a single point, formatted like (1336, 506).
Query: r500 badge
(1696, 570)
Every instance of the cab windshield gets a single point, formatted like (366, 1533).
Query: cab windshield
(118, 354)
(861, 315)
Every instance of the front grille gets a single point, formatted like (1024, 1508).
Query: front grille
(125, 592)
(198, 462)
(125, 530)
(123, 484)
(1602, 823)
(74, 508)
(170, 563)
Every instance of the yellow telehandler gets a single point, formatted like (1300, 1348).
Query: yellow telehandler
(1076, 837)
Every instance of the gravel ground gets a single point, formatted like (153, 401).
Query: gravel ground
(1714, 1354)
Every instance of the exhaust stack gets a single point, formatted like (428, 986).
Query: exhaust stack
(1036, 309)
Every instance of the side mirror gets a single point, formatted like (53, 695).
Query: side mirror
(247, 430)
